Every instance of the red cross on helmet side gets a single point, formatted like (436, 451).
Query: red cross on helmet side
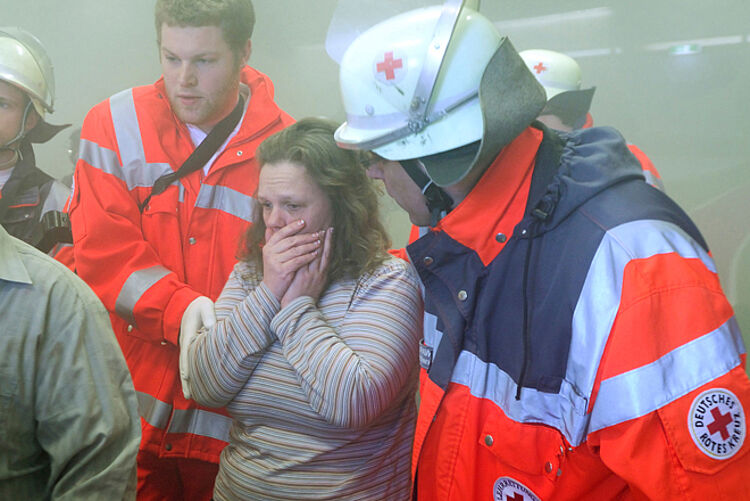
(557, 72)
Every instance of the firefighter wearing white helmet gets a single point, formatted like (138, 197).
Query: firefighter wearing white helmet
(31, 202)
(546, 252)
(411, 90)
(568, 105)
(560, 75)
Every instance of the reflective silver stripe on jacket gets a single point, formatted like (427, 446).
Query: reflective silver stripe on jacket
(627, 396)
(135, 170)
(599, 300)
(200, 422)
(154, 411)
(227, 200)
(106, 161)
(565, 410)
(134, 287)
(100, 158)
(194, 421)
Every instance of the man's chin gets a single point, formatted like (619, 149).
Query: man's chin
(188, 116)
(419, 219)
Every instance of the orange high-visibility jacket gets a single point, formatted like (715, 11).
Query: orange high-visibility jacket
(578, 345)
(147, 267)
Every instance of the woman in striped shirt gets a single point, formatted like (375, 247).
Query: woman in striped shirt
(315, 351)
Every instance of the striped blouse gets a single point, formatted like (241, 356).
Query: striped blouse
(322, 396)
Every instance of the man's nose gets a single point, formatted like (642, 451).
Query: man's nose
(187, 75)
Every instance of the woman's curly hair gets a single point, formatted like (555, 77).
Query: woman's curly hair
(360, 241)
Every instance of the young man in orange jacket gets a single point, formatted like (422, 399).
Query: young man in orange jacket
(158, 258)
(577, 344)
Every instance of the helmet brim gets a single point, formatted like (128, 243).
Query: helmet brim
(570, 106)
(510, 100)
(44, 131)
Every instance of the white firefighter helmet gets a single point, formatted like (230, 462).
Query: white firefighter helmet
(557, 72)
(560, 75)
(25, 64)
(383, 76)
(425, 83)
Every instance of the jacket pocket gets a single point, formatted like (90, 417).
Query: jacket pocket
(529, 456)
(160, 226)
(534, 449)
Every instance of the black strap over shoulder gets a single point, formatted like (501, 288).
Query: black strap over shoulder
(201, 154)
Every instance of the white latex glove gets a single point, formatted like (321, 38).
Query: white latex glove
(198, 315)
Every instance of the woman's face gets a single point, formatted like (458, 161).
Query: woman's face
(286, 193)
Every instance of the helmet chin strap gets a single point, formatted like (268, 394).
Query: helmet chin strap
(438, 201)
(13, 159)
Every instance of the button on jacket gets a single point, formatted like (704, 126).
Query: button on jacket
(147, 267)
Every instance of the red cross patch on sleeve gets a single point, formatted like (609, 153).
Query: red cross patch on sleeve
(717, 423)
(707, 428)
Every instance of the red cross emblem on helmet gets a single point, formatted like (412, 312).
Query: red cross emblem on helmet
(540, 67)
(390, 67)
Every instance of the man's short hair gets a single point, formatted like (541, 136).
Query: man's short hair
(236, 18)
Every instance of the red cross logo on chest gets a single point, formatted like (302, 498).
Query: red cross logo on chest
(539, 68)
(390, 65)
(721, 421)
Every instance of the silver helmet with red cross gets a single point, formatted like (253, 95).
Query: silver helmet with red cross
(560, 75)
(432, 80)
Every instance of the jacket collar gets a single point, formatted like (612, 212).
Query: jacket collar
(591, 161)
(497, 202)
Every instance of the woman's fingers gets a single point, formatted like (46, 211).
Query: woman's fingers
(280, 245)
(291, 229)
(296, 251)
(325, 252)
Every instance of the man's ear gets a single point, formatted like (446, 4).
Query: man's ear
(246, 51)
(32, 120)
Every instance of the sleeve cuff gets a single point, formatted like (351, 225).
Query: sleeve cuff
(173, 313)
(285, 320)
